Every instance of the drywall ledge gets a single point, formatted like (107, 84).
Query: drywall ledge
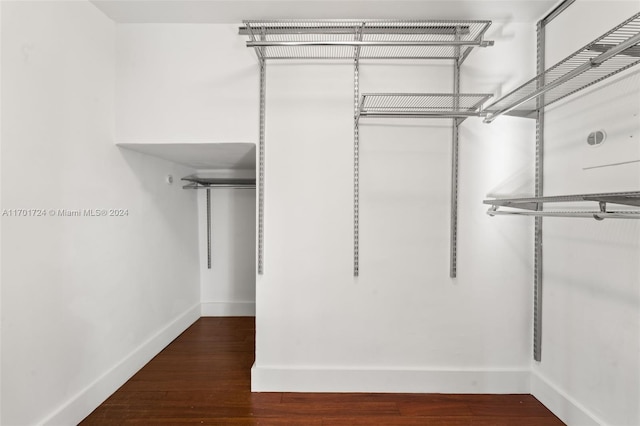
(281, 379)
(561, 404)
(201, 155)
(228, 309)
(81, 405)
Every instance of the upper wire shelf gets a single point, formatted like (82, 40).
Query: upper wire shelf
(610, 54)
(421, 105)
(365, 39)
(534, 206)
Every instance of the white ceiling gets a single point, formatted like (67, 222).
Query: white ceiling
(201, 156)
(234, 11)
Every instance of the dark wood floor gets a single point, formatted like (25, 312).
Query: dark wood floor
(203, 377)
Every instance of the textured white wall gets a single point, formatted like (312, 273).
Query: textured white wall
(591, 317)
(185, 82)
(403, 325)
(1, 317)
(229, 287)
(197, 82)
(86, 301)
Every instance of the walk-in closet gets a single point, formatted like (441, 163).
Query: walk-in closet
(320, 212)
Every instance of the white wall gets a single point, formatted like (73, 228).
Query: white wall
(591, 306)
(197, 82)
(229, 287)
(1, 317)
(403, 325)
(86, 301)
(185, 82)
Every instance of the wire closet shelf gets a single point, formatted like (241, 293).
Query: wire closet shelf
(608, 55)
(364, 39)
(421, 105)
(534, 206)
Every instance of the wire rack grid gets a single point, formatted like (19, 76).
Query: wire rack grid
(422, 102)
(615, 64)
(302, 39)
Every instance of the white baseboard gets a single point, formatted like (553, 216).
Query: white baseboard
(228, 309)
(83, 403)
(274, 379)
(283, 379)
(562, 405)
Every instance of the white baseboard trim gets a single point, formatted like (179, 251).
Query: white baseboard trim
(277, 379)
(83, 403)
(228, 309)
(562, 405)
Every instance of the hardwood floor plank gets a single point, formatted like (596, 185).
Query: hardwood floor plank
(204, 377)
(516, 421)
(326, 409)
(397, 421)
(233, 421)
(435, 405)
(216, 397)
(507, 405)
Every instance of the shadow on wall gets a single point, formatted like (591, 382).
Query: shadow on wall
(613, 107)
(158, 203)
(495, 79)
(518, 184)
(242, 242)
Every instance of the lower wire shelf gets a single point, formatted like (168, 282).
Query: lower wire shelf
(534, 206)
(422, 105)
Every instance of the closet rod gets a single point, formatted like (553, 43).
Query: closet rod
(578, 214)
(591, 63)
(629, 198)
(208, 228)
(480, 43)
(417, 114)
(191, 186)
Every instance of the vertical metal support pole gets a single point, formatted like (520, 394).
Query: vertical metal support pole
(453, 243)
(208, 228)
(356, 173)
(356, 157)
(539, 179)
(261, 147)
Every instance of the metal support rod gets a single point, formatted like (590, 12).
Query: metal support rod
(630, 42)
(228, 186)
(208, 228)
(261, 166)
(453, 237)
(271, 43)
(417, 114)
(539, 190)
(462, 56)
(557, 11)
(259, 51)
(631, 198)
(598, 215)
(633, 52)
(356, 158)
